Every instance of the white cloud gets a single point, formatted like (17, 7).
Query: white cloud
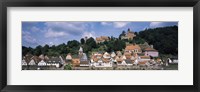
(35, 29)
(155, 24)
(115, 24)
(50, 33)
(51, 43)
(120, 24)
(67, 27)
(28, 38)
(25, 33)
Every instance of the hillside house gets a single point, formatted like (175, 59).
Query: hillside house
(151, 52)
(102, 39)
(133, 48)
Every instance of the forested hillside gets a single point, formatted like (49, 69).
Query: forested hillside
(164, 39)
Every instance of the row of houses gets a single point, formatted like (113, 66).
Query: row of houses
(132, 55)
(148, 51)
(33, 62)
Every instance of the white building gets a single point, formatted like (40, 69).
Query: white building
(103, 62)
(99, 63)
(42, 63)
(24, 63)
(106, 55)
(113, 54)
(68, 57)
(136, 62)
(61, 60)
(55, 61)
(172, 60)
(32, 62)
(107, 62)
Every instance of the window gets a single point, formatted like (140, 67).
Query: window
(136, 50)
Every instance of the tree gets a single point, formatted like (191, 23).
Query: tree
(122, 34)
(110, 45)
(45, 49)
(38, 50)
(118, 45)
(91, 42)
(138, 40)
(62, 49)
(87, 48)
(73, 46)
(112, 38)
(68, 67)
(82, 41)
(136, 33)
(164, 39)
(26, 50)
(73, 43)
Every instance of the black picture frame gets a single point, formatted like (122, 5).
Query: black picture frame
(98, 3)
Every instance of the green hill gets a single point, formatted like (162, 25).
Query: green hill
(164, 39)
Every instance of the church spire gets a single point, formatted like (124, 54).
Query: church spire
(81, 50)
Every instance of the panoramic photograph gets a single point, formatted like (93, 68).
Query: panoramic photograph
(99, 45)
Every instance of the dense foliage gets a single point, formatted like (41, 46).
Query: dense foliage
(164, 39)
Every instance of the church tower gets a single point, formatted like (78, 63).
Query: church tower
(80, 51)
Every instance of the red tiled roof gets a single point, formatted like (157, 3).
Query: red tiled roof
(132, 47)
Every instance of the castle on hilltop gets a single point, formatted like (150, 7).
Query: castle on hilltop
(129, 35)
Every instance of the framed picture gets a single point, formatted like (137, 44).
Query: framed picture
(128, 45)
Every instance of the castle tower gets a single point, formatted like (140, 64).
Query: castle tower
(129, 30)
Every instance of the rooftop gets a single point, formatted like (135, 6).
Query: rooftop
(132, 47)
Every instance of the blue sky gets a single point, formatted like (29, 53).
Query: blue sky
(55, 33)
